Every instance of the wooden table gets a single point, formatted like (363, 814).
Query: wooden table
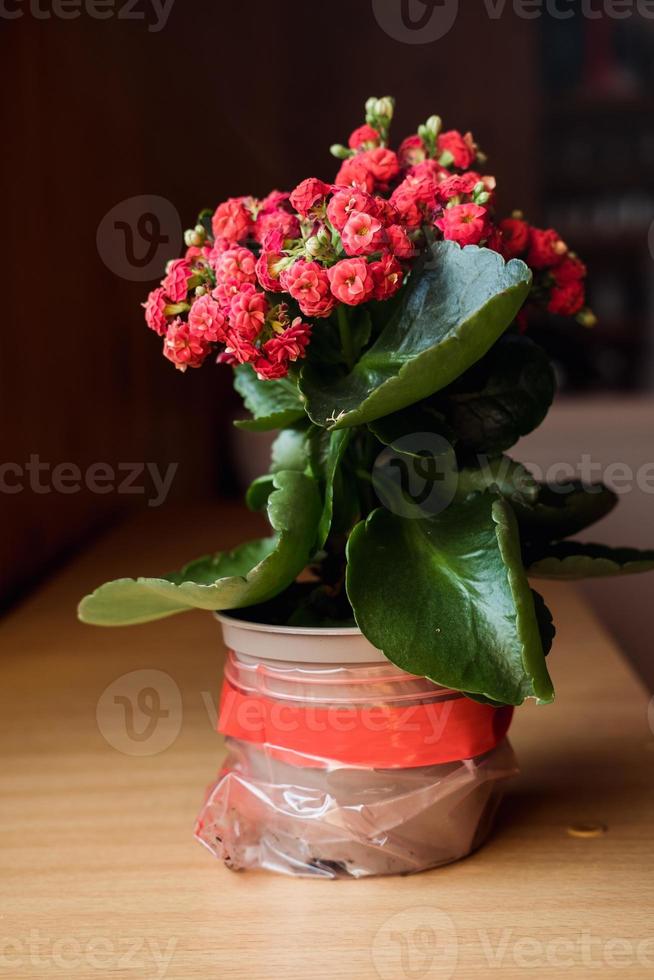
(101, 875)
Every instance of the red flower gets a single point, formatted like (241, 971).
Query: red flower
(206, 320)
(308, 198)
(289, 345)
(360, 235)
(406, 201)
(154, 311)
(379, 166)
(355, 173)
(570, 269)
(514, 237)
(274, 201)
(183, 348)
(399, 242)
(237, 264)
(387, 276)
(351, 281)
(269, 370)
(545, 248)
(429, 168)
(268, 271)
(240, 348)
(175, 284)
(466, 224)
(346, 201)
(308, 283)
(462, 148)
(247, 311)
(457, 185)
(225, 292)
(568, 299)
(276, 221)
(232, 220)
(412, 150)
(382, 163)
(364, 134)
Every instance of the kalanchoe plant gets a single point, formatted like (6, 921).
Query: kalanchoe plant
(357, 314)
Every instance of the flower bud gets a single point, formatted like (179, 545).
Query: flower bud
(434, 124)
(200, 290)
(379, 113)
(193, 238)
(340, 152)
(314, 246)
(370, 106)
(384, 108)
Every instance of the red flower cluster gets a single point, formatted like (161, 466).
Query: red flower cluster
(559, 275)
(256, 271)
(213, 297)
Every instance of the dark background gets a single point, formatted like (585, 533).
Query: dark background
(230, 99)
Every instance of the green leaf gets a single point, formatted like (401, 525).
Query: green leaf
(326, 455)
(252, 573)
(503, 397)
(547, 632)
(451, 314)
(511, 479)
(574, 560)
(447, 597)
(290, 450)
(558, 512)
(545, 622)
(273, 404)
(256, 495)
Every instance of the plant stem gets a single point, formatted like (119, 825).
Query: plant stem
(345, 335)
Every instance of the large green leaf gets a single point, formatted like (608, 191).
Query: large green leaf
(273, 404)
(447, 597)
(574, 560)
(251, 574)
(503, 397)
(563, 509)
(453, 311)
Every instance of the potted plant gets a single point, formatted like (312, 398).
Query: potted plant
(380, 637)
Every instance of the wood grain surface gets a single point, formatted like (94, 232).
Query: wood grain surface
(101, 876)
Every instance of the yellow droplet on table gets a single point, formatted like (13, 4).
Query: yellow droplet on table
(587, 830)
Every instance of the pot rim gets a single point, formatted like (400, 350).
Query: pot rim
(224, 617)
(299, 644)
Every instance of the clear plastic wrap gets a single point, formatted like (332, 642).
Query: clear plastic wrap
(341, 765)
(337, 822)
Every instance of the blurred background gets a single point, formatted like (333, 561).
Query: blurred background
(113, 105)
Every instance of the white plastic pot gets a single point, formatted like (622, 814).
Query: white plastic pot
(340, 764)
